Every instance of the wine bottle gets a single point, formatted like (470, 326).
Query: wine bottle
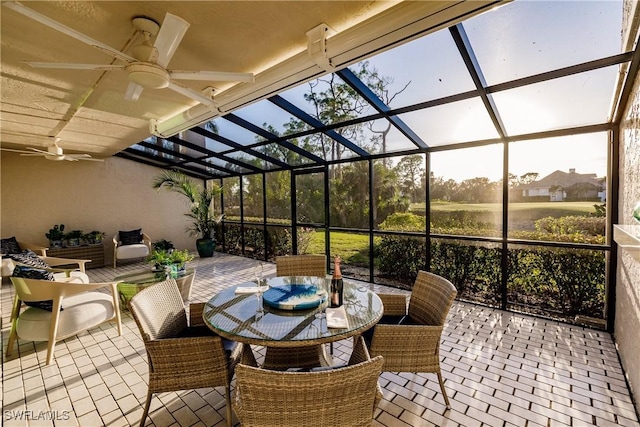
(337, 286)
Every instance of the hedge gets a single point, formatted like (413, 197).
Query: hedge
(559, 282)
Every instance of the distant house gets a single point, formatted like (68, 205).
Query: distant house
(562, 186)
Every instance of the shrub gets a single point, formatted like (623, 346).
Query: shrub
(278, 239)
(401, 257)
(403, 221)
(474, 268)
(557, 280)
(587, 225)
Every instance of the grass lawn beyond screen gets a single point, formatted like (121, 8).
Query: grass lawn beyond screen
(354, 248)
(539, 209)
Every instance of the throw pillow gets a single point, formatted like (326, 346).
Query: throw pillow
(10, 246)
(28, 257)
(130, 237)
(35, 273)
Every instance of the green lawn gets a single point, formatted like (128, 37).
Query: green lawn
(562, 208)
(353, 248)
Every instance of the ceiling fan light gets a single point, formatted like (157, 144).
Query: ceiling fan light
(149, 76)
(54, 150)
(145, 52)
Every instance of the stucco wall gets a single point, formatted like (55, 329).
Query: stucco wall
(110, 196)
(627, 321)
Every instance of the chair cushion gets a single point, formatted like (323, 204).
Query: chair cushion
(130, 237)
(82, 311)
(74, 277)
(137, 250)
(10, 246)
(385, 320)
(35, 273)
(28, 257)
(7, 267)
(204, 331)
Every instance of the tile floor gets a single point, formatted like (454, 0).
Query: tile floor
(501, 369)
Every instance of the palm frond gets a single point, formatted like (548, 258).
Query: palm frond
(201, 198)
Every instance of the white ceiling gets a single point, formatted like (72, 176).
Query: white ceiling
(86, 109)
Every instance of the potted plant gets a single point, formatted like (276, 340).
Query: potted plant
(73, 237)
(201, 211)
(94, 237)
(163, 244)
(180, 258)
(160, 259)
(169, 260)
(55, 236)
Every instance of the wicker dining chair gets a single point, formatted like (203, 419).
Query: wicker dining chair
(301, 265)
(181, 356)
(297, 265)
(409, 340)
(343, 396)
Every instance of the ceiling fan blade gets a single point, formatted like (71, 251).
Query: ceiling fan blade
(219, 76)
(37, 150)
(169, 37)
(15, 151)
(42, 154)
(90, 159)
(190, 93)
(36, 16)
(70, 66)
(134, 90)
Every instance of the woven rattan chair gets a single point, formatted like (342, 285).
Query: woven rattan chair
(412, 343)
(345, 396)
(301, 265)
(181, 356)
(297, 265)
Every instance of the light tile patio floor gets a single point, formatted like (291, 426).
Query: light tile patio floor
(500, 369)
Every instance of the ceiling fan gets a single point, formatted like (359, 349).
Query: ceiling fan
(146, 66)
(54, 152)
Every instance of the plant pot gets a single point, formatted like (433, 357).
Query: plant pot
(205, 247)
(55, 243)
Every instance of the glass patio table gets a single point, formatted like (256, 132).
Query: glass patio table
(293, 338)
(133, 282)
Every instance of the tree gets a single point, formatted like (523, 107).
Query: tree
(477, 190)
(334, 101)
(439, 189)
(527, 178)
(350, 195)
(409, 170)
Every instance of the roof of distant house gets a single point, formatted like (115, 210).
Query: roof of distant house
(565, 180)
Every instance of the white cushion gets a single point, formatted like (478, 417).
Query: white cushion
(76, 277)
(137, 250)
(81, 312)
(7, 267)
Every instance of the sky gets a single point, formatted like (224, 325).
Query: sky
(584, 153)
(520, 39)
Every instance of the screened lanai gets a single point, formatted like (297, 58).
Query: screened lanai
(497, 148)
(484, 152)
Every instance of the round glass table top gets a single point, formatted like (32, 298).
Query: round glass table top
(244, 317)
(148, 276)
